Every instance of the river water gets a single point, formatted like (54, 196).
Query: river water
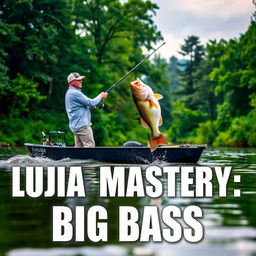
(229, 222)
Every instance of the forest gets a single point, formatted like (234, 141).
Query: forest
(209, 96)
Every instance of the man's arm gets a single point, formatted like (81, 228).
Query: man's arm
(84, 100)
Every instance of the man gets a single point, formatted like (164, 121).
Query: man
(78, 109)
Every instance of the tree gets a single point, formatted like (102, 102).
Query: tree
(172, 72)
(195, 52)
(204, 96)
(107, 22)
(35, 31)
(43, 41)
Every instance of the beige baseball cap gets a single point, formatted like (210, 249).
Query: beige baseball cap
(74, 76)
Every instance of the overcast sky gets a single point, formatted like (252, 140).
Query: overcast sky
(208, 19)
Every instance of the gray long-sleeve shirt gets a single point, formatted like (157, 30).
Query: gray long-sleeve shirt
(78, 108)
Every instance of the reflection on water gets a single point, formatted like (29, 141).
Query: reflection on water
(230, 223)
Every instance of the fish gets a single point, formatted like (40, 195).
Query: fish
(149, 108)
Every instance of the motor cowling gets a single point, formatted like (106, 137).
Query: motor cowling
(133, 144)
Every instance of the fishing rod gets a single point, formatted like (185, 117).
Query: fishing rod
(121, 79)
(129, 72)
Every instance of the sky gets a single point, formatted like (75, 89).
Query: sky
(207, 19)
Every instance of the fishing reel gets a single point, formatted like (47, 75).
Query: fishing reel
(100, 106)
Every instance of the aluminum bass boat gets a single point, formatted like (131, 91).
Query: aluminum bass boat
(131, 154)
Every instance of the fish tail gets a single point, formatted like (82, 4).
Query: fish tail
(156, 141)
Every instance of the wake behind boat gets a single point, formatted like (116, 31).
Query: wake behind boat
(129, 153)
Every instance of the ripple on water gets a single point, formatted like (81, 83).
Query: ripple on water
(99, 251)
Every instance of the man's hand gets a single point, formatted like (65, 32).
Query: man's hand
(104, 95)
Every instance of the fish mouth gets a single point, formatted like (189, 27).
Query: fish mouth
(135, 84)
(136, 87)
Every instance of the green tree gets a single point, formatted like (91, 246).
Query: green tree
(184, 122)
(115, 34)
(194, 51)
(43, 41)
(204, 96)
(235, 78)
(32, 40)
(107, 22)
(173, 74)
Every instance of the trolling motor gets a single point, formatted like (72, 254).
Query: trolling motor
(59, 135)
(101, 106)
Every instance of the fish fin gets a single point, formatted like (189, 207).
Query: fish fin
(158, 96)
(156, 141)
(152, 104)
(143, 123)
(160, 122)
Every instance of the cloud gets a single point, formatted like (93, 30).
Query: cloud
(221, 9)
(171, 47)
(208, 19)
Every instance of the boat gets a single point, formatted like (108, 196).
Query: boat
(130, 153)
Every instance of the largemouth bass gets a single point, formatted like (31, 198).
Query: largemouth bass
(148, 106)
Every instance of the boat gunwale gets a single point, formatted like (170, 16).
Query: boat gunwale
(167, 147)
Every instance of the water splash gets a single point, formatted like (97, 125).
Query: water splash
(26, 160)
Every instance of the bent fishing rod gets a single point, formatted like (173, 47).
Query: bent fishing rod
(129, 72)
(121, 79)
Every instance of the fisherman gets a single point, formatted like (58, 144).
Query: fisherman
(78, 110)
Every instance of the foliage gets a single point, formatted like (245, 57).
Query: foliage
(222, 88)
(194, 52)
(43, 41)
(209, 97)
(241, 131)
(184, 121)
(22, 94)
(173, 75)
(206, 133)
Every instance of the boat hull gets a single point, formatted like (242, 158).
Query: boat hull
(134, 155)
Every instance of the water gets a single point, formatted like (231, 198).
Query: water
(229, 223)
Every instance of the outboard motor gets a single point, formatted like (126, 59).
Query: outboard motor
(60, 136)
(133, 144)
